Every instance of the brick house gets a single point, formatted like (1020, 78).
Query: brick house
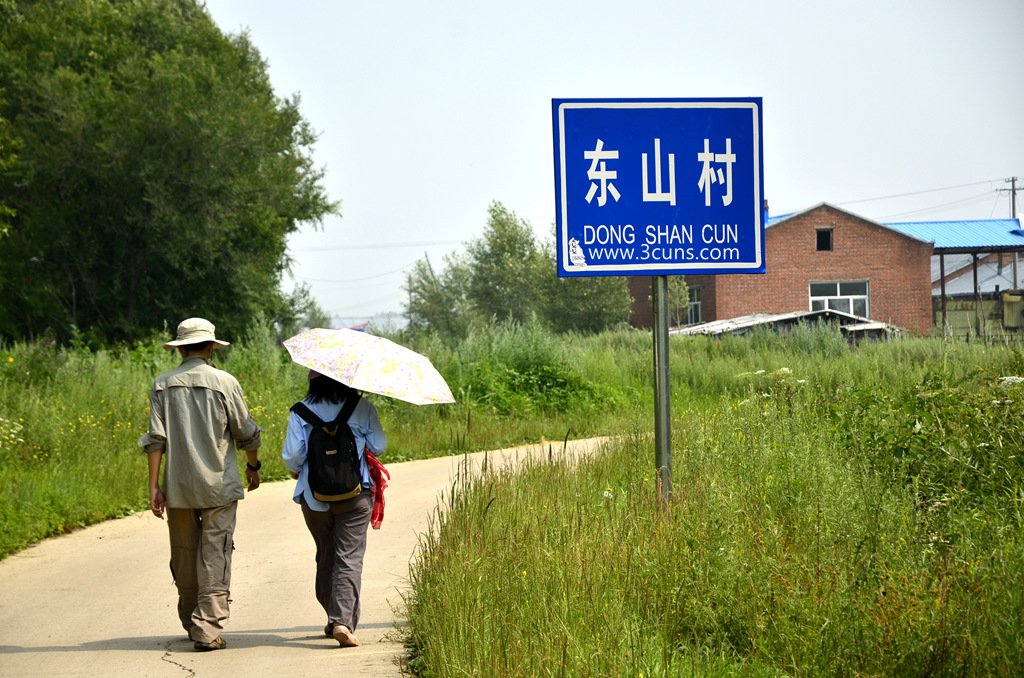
(823, 257)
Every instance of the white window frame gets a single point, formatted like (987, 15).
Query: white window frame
(693, 309)
(848, 296)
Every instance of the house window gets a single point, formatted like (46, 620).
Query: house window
(824, 238)
(693, 308)
(848, 296)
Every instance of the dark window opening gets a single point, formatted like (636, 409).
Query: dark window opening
(824, 240)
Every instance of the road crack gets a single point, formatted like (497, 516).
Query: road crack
(167, 658)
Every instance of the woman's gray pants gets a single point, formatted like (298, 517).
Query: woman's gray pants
(340, 537)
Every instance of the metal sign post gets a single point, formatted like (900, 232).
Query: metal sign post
(662, 391)
(659, 187)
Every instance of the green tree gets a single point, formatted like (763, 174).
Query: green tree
(301, 312)
(505, 268)
(586, 304)
(678, 300)
(506, 275)
(159, 174)
(8, 146)
(438, 302)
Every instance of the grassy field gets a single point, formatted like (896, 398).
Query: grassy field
(836, 511)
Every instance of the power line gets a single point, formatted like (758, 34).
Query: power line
(364, 302)
(975, 199)
(930, 190)
(355, 280)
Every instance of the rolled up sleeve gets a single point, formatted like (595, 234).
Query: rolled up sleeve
(244, 429)
(156, 437)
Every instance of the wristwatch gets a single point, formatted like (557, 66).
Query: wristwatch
(257, 467)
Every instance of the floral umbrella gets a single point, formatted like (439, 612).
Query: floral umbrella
(369, 363)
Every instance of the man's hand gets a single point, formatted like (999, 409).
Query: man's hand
(156, 502)
(253, 478)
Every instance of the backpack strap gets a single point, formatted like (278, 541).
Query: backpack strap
(307, 414)
(347, 409)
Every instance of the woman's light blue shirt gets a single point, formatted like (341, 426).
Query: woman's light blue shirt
(365, 427)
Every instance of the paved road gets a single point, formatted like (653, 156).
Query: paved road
(100, 602)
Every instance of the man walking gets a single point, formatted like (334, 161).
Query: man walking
(196, 412)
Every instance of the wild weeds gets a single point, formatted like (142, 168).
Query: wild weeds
(793, 544)
(71, 417)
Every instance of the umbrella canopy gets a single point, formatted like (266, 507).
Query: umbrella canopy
(369, 363)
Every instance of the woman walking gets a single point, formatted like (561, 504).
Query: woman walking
(338, 528)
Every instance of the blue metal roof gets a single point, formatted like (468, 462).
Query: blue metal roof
(974, 234)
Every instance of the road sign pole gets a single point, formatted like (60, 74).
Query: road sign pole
(662, 400)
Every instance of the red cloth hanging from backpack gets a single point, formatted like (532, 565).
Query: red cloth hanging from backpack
(377, 474)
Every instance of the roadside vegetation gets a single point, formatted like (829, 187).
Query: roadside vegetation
(70, 417)
(836, 511)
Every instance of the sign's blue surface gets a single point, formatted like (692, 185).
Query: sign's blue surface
(658, 186)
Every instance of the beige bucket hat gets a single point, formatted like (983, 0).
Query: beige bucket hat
(195, 331)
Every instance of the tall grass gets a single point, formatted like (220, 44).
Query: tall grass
(515, 383)
(836, 511)
(67, 417)
(70, 418)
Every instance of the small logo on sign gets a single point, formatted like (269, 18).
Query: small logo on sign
(576, 253)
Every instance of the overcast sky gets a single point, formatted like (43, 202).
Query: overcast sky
(429, 112)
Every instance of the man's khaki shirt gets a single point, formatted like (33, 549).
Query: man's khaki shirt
(196, 411)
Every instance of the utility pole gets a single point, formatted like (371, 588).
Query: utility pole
(1013, 195)
(1013, 215)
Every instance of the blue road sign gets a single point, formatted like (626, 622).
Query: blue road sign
(658, 186)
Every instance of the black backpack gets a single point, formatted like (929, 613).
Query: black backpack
(331, 454)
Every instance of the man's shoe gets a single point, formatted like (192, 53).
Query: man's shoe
(344, 637)
(215, 644)
(329, 630)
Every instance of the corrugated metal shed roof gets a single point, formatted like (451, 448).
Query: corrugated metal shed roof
(850, 324)
(975, 235)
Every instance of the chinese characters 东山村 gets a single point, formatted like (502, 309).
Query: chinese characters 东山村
(714, 168)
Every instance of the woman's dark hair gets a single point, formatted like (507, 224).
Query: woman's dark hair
(325, 388)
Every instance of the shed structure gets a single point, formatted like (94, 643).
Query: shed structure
(976, 259)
